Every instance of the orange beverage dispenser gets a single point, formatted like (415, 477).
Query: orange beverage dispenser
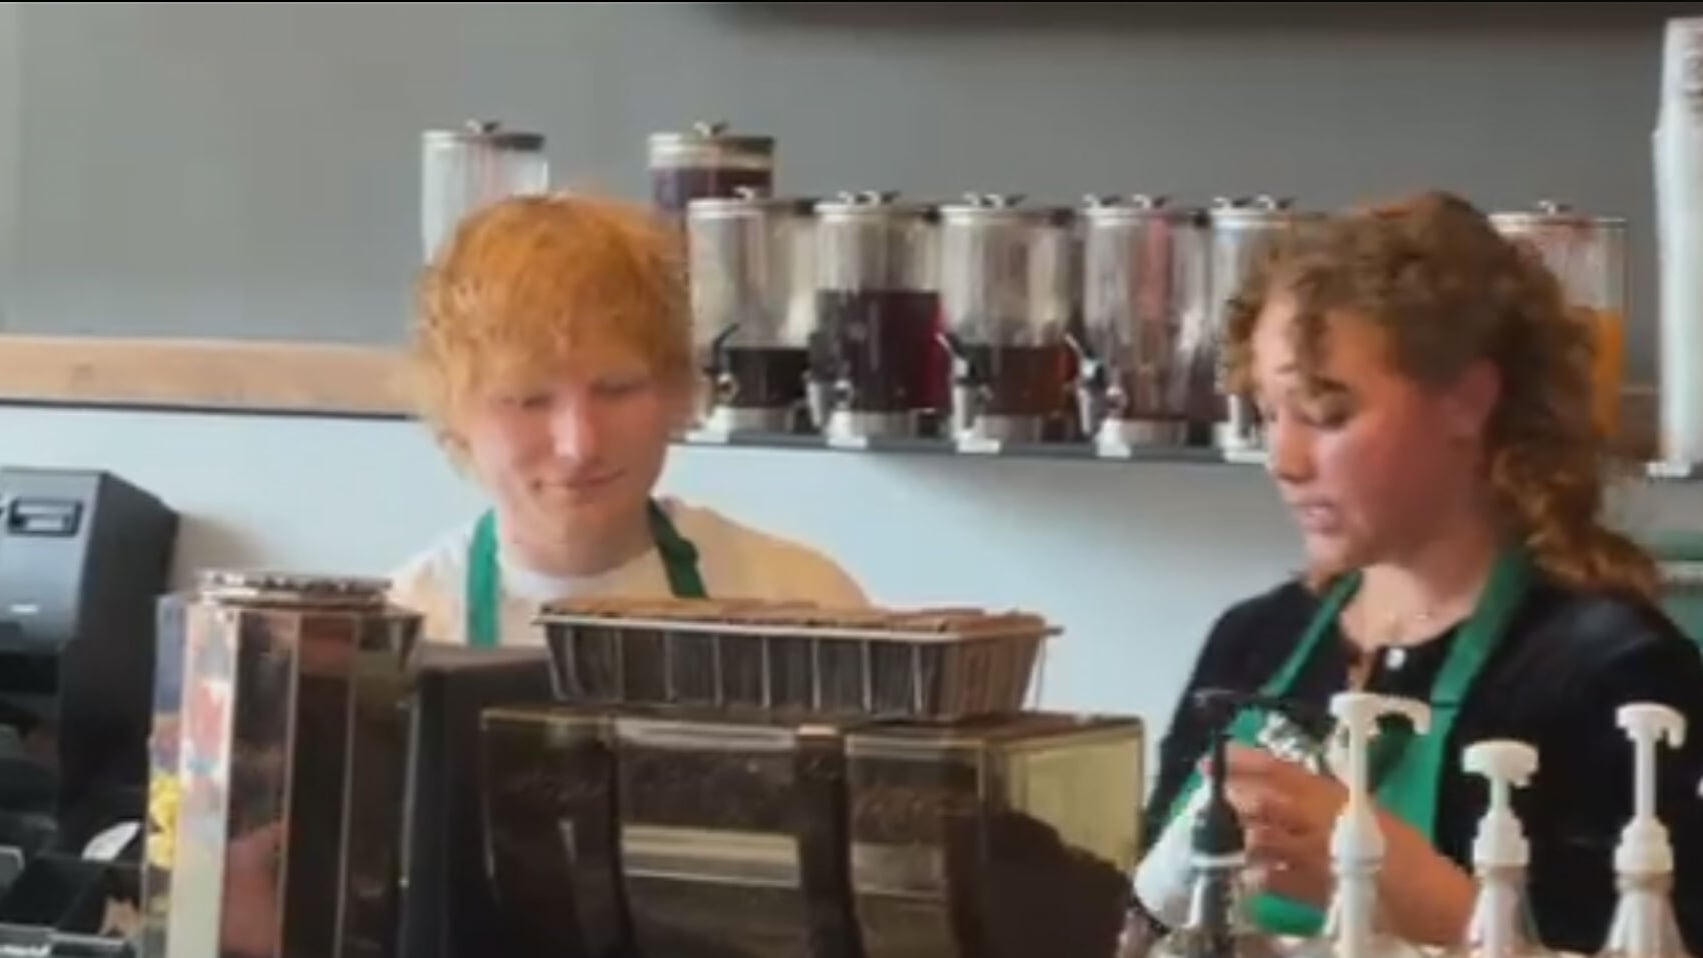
(1588, 255)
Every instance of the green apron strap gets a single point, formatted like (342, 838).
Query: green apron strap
(482, 597)
(679, 556)
(1406, 777)
(1410, 766)
(484, 594)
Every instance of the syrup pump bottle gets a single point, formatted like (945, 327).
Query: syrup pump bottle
(1199, 858)
(1217, 925)
(1355, 924)
(1644, 924)
(1501, 924)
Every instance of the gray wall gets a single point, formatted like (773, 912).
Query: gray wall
(251, 169)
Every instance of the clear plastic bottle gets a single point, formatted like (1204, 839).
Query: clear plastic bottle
(1502, 925)
(1356, 925)
(1644, 925)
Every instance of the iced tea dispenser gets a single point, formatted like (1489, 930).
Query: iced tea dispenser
(1149, 368)
(1587, 254)
(707, 161)
(466, 168)
(753, 307)
(877, 366)
(1006, 295)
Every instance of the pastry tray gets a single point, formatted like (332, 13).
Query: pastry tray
(794, 659)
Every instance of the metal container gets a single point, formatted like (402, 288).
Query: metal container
(705, 162)
(464, 169)
(1241, 230)
(732, 837)
(794, 660)
(878, 366)
(1587, 254)
(753, 307)
(291, 762)
(548, 780)
(1150, 369)
(1012, 836)
(1006, 296)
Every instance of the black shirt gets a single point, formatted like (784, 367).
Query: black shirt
(1567, 662)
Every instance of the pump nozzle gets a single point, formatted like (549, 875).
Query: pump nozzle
(1644, 847)
(1506, 765)
(1357, 838)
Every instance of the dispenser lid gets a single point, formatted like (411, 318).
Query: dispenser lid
(485, 133)
(1001, 208)
(1137, 207)
(871, 205)
(1506, 764)
(291, 588)
(707, 141)
(1260, 210)
(1553, 214)
(750, 201)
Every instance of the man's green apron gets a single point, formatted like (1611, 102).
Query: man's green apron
(1410, 764)
(484, 589)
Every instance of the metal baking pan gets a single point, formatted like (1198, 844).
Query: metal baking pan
(794, 659)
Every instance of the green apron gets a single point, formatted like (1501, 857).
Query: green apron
(679, 561)
(1410, 764)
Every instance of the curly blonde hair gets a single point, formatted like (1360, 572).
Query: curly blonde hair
(1448, 289)
(524, 282)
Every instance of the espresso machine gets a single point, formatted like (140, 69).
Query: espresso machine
(753, 779)
(751, 262)
(877, 368)
(1241, 229)
(465, 168)
(1007, 298)
(707, 161)
(1587, 254)
(1148, 370)
(280, 772)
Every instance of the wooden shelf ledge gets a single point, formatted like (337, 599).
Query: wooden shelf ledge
(217, 375)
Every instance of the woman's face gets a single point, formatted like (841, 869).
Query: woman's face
(1369, 462)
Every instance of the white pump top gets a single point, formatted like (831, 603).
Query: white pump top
(1357, 839)
(1644, 847)
(1506, 764)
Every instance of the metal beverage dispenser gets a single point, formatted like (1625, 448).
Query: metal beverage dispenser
(877, 355)
(1007, 295)
(278, 834)
(706, 162)
(1149, 363)
(753, 308)
(467, 168)
(1241, 228)
(1587, 254)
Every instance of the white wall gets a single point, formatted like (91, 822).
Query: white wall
(1132, 560)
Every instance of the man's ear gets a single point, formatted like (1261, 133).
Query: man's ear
(1472, 400)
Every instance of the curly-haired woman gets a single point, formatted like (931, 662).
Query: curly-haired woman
(1427, 401)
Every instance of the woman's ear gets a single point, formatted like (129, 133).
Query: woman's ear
(1472, 400)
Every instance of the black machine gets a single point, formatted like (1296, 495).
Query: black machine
(449, 909)
(83, 557)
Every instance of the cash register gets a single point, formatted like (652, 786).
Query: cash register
(83, 554)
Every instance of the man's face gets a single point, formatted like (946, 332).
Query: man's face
(573, 454)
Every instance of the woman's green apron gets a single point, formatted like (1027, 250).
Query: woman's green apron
(1410, 764)
(484, 589)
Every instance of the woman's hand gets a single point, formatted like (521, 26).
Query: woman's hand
(1288, 814)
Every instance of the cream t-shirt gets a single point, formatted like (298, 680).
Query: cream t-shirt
(734, 560)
